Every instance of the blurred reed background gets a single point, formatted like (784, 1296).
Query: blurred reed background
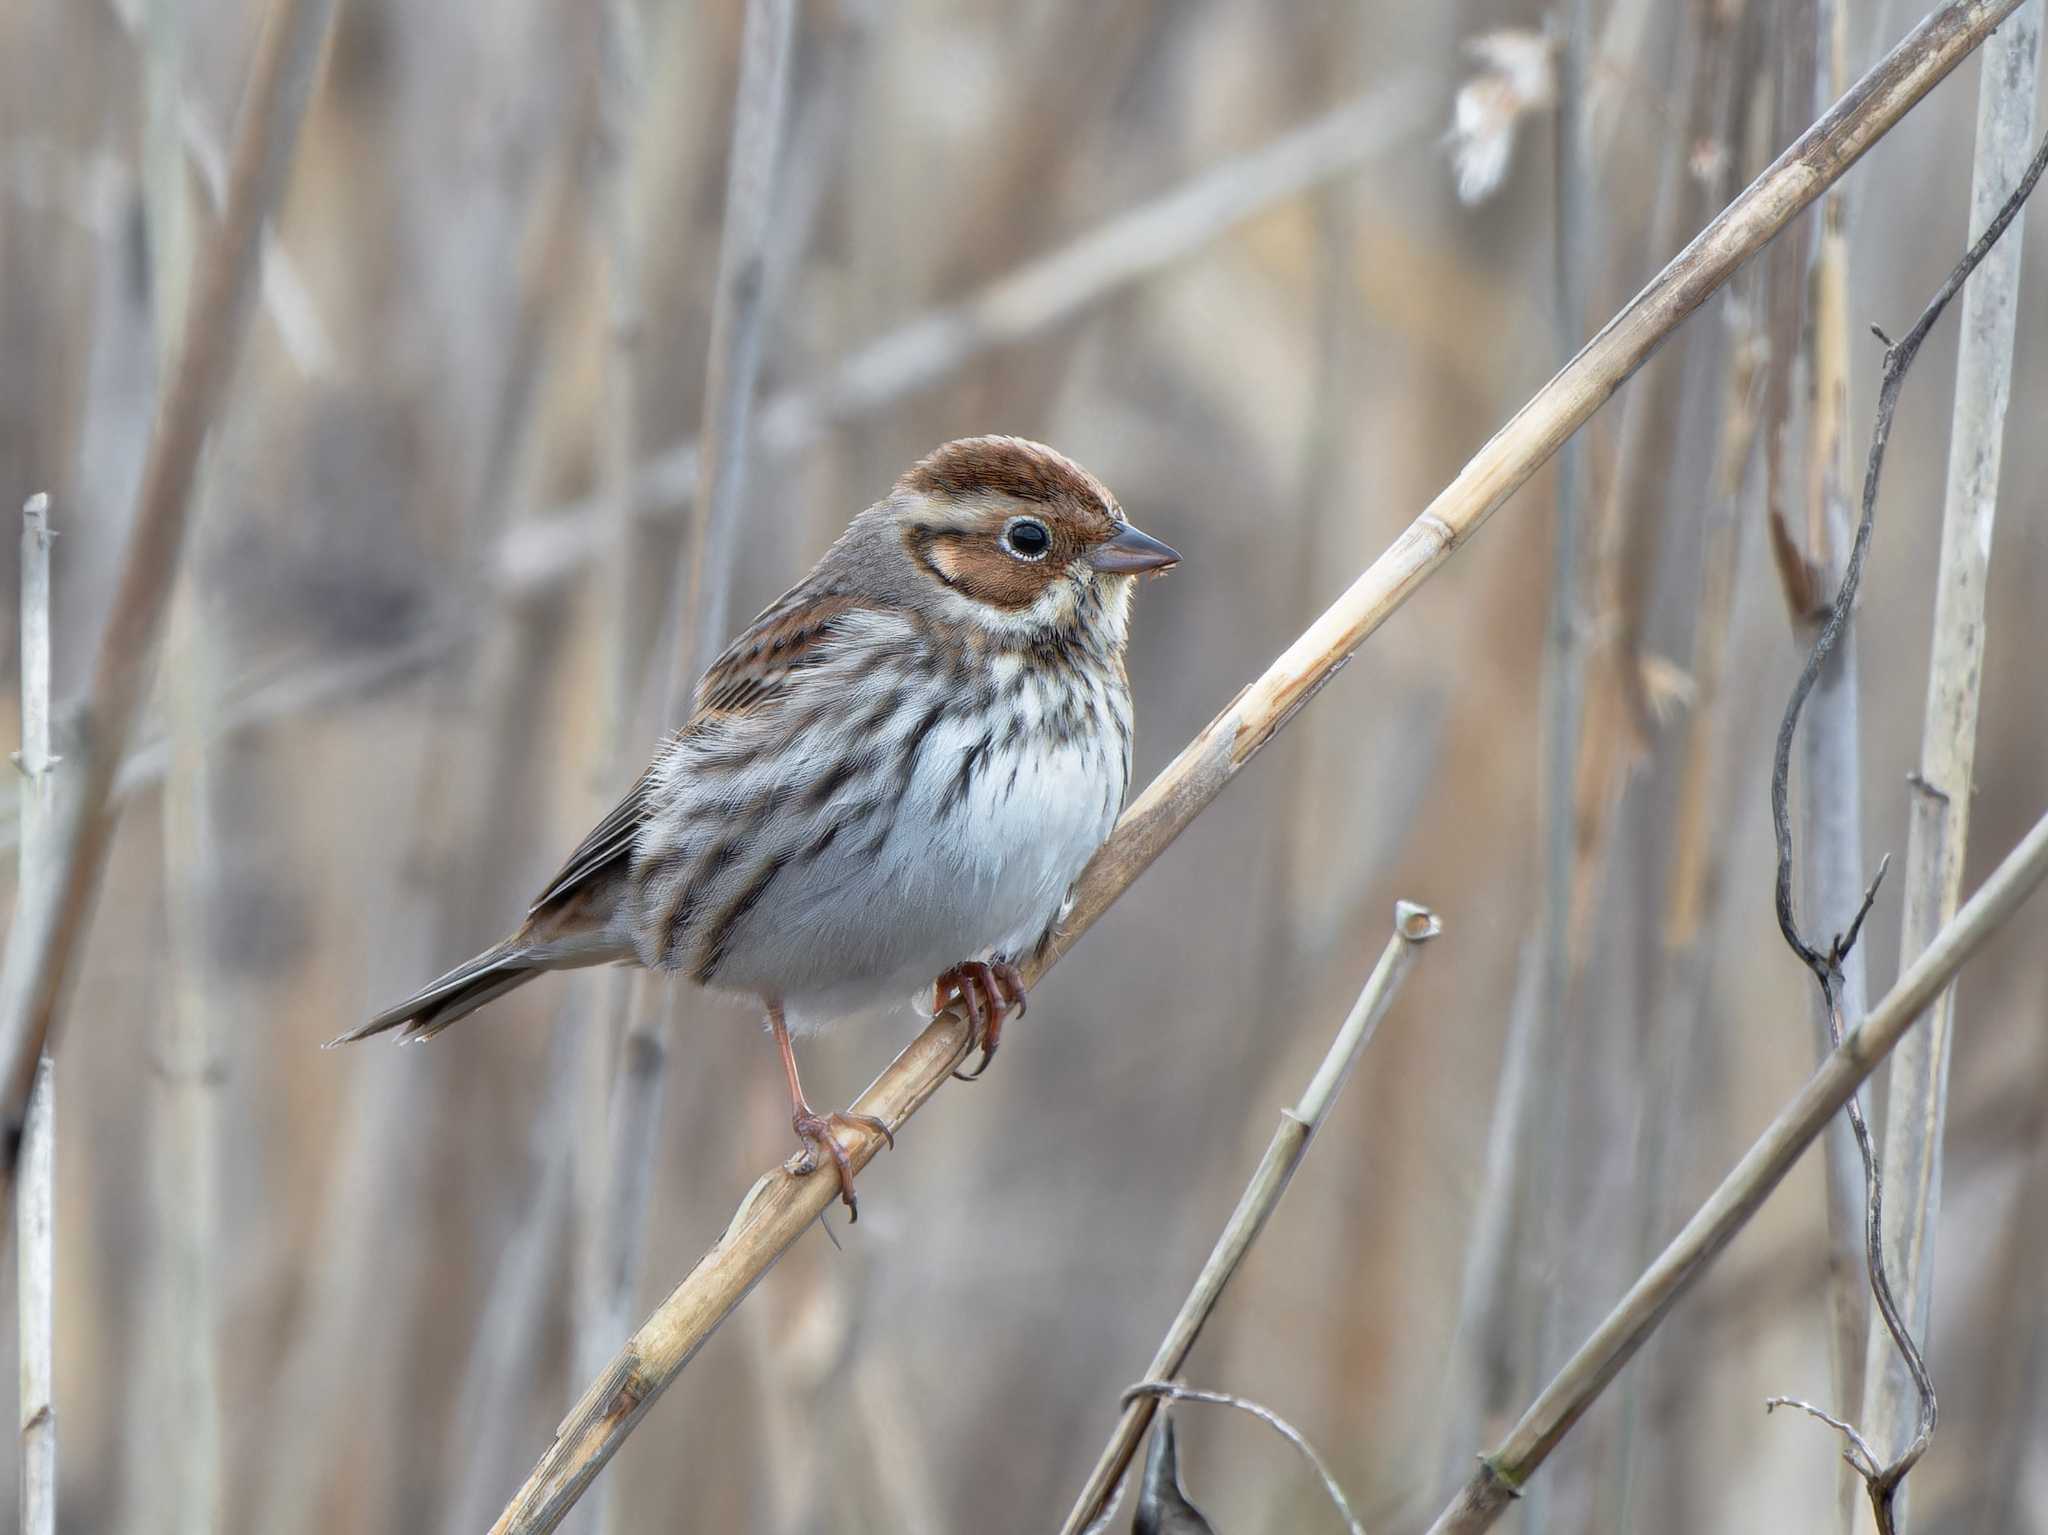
(421, 640)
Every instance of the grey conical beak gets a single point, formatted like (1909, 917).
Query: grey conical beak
(1131, 552)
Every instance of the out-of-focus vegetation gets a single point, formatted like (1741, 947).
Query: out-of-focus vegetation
(393, 685)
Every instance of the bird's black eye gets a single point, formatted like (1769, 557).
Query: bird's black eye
(1027, 538)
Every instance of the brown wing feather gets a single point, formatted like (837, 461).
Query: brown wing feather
(611, 839)
(756, 669)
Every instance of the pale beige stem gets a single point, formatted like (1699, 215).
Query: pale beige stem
(1939, 824)
(740, 307)
(35, 1207)
(44, 942)
(1413, 927)
(1550, 1417)
(1832, 751)
(782, 1207)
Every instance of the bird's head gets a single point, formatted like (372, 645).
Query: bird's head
(1019, 540)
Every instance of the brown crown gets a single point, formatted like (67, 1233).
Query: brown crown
(1008, 466)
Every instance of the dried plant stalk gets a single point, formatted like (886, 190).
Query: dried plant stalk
(44, 942)
(782, 1207)
(1550, 1417)
(1939, 824)
(35, 1206)
(1413, 926)
(738, 325)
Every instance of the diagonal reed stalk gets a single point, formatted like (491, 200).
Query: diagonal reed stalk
(35, 1208)
(1938, 826)
(740, 308)
(781, 1206)
(1413, 927)
(1504, 1471)
(44, 943)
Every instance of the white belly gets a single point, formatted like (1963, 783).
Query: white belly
(976, 859)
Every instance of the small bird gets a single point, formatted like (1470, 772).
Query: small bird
(891, 780)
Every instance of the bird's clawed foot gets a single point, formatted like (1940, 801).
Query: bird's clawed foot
(990, 990)
(815, 1131)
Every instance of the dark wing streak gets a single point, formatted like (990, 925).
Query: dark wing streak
(611, 839)
(756, 667)
(755, 671)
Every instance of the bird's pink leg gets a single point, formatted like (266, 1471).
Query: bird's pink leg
(990, 990)
(814, 1129)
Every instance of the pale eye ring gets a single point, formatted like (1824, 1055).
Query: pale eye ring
(1027, 538)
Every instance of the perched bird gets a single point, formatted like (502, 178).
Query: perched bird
(895, 775)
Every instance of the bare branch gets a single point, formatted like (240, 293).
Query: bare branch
(1939, 819)
(1741, 1194)
(1826, 965)
(1413, 927)
(740, 310)
(44, 941)
(35, 1208)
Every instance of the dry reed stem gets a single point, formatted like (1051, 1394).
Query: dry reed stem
(1938, 826)
(282, 694)
(1413, 927)
(189, 133)
(739, 320)
(1550, 1417)
(740, 307)
(44, 942)
(1835, 985)
(174, 1439)
(1809, 524)
(1574, 252)
(178, 1417)
(632, 613)
(35, 1209)
(1023, 303)
(782, 1207)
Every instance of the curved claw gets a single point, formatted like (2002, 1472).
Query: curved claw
(815, 1131)
(990, 991)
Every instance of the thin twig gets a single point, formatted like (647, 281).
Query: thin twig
(44, 941)
(1938, 826)
(1017, 306)
(1481, 1380)
(1504, 1471)
(632, 614)
(1806, 329)
(193, 135)
(740, 309)
(1826, 965)
(1174, 1392)
(1413, 927)
(739, 317)
(1858, 1456)
(35, 1208)
(1564, 678)
(782, 1208)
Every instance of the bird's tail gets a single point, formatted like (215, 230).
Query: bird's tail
(487, 977)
